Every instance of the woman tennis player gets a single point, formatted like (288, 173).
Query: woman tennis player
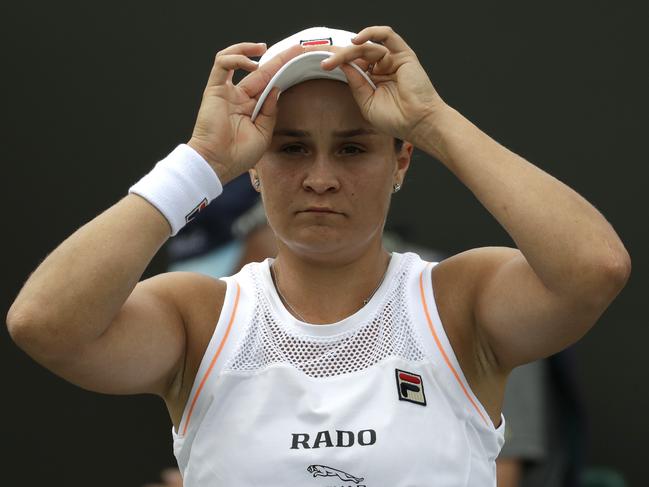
(336, 363)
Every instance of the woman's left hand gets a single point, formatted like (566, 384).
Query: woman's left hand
(404, 95)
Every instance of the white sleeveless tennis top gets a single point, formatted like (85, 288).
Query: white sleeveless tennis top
(376, 400)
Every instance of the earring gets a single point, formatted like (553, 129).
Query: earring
(257, 183)
(396, 187)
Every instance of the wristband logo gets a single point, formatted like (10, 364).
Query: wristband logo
(192, 214)
(410, 387)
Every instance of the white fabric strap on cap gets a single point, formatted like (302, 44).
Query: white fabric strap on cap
(179, 186)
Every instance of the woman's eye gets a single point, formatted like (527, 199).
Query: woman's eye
(351, 149)
(293, 149)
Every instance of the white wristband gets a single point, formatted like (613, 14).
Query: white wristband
(179, 186)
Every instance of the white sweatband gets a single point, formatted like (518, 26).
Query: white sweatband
(179, 186)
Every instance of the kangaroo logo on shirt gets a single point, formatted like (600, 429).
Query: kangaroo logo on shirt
(410, 387)
(324, 471)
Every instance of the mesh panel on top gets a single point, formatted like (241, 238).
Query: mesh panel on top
(387, 332)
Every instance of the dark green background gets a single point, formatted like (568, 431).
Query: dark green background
(95, 92)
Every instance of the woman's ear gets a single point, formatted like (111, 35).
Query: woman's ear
(403, 161)
(254, 179)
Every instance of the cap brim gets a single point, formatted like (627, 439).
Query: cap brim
(303, 68)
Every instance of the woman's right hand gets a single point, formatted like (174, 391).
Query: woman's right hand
(224, 134)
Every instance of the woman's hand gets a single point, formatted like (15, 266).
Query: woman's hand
(224, 134)
(404, 96)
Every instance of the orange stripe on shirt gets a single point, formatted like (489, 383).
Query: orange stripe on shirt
(441, 349)
(216, 356)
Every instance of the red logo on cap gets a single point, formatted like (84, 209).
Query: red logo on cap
(317, 42)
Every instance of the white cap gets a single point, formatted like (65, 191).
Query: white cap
(306, 66)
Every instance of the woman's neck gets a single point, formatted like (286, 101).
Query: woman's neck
(327, 291)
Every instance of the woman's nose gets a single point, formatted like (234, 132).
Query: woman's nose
(321, 176)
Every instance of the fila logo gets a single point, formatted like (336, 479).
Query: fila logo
(192, 214)
(317, 42)
(410, 387)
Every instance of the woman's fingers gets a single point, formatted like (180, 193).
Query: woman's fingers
(361, 63)
(254, 83)
(383, 35)
(265, 120)
(364, 55)
(270, 105)
(247, 48)
(225, 64)
(234, 57)
(361, 90)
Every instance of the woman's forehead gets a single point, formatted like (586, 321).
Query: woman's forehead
(317, 102)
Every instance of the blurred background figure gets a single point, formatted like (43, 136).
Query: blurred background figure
(224, 236)
(546, 438)
(545, 430)
(169, 477)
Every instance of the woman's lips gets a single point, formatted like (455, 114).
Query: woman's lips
(321, 209)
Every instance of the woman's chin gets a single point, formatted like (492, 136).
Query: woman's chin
(320, 241)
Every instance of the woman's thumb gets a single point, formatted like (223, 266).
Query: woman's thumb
(266, 118)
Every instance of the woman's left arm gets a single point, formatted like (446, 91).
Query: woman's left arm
(570, 263)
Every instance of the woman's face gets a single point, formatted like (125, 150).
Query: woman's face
(327, 177)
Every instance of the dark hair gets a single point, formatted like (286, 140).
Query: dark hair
(398, 144)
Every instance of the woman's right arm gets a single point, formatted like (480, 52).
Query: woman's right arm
(83, 314)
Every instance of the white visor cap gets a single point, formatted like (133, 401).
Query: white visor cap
(306, 66)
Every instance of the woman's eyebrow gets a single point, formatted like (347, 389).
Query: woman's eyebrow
(354, 132)
(292, 133)
(338, 133)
